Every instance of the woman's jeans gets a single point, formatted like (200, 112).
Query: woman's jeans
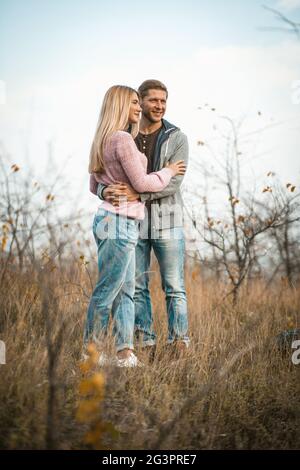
(116, 239)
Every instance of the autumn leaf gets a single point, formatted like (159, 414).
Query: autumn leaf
(94, 384)
(290, 187)
(268, 189)
(15, 167)
(86, 410)
(210, 222)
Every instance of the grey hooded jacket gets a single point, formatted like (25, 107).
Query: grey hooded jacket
(167, 205)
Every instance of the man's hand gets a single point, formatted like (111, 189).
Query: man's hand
(120, 192)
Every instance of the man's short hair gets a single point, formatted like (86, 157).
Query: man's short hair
(151, 85)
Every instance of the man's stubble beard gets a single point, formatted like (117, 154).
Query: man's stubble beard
(150, 119)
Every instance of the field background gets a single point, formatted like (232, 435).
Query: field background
(234, 389)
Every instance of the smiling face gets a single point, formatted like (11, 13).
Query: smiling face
(134, 110)
(154, 105)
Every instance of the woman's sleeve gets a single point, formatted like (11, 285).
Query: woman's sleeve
(93, 184)
(129, 157)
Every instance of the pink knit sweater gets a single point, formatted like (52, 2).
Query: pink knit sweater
(124, 162)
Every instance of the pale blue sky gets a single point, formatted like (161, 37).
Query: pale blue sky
(44, 37)
(58, 57)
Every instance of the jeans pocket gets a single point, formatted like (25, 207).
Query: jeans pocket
(128, 230)
(104, 226)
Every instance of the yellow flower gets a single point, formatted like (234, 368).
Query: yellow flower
(94, 384)
(87, 410)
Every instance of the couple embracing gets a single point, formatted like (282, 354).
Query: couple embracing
(137, 164)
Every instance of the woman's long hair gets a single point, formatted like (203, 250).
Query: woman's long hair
(113, 117)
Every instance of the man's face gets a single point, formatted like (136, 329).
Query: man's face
(154, 105)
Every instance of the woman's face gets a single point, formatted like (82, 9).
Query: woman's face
(134, 110)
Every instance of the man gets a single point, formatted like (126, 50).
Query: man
(162, 229)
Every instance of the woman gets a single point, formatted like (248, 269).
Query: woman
(115, 158)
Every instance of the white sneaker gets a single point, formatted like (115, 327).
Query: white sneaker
(103, 359)
(130, 361)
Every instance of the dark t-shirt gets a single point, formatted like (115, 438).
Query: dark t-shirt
(146, 144)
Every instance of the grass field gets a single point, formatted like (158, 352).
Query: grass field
(232, 390)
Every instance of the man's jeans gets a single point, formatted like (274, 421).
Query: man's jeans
(169, 252)
(116, 239)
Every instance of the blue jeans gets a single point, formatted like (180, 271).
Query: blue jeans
(116, 238)
(169, 251)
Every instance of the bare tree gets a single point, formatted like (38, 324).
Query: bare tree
(284, 238)
(236, 237)
(292, 26)
(31, 224)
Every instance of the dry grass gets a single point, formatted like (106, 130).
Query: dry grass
(232, 391)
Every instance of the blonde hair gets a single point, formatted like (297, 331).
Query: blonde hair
(113, 117)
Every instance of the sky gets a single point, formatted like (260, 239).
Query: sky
(58, 57)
